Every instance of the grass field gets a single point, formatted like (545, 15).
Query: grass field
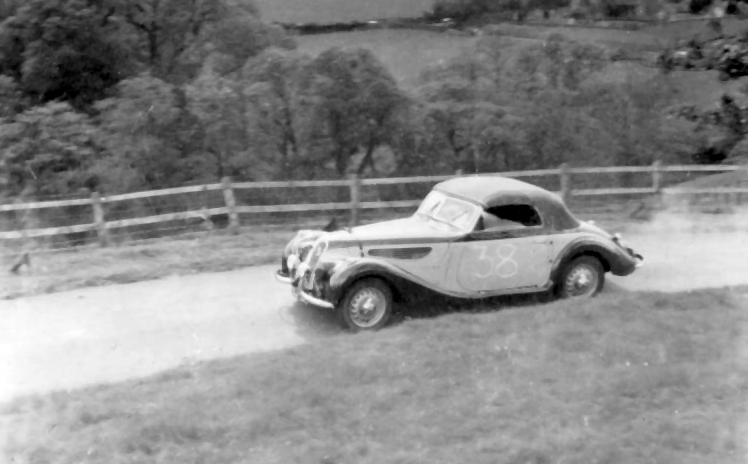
(407, 53)
(624, 378)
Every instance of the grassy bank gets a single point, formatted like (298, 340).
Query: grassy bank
(180, 255)
(621, 379)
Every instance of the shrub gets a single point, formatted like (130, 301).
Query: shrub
(617, 9)
(698, 6)
(459, 10)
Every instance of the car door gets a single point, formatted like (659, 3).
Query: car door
(510, 251)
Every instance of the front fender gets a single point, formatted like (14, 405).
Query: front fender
(403, 283)
(614, 259)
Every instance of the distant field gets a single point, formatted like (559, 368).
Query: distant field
(406, 53)
(330, 11)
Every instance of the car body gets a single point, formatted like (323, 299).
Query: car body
(472, 237)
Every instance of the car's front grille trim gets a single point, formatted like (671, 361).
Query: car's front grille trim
(316, 253)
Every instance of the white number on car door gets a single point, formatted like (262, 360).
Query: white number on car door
(508, 252)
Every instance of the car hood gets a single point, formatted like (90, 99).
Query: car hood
(411, 229)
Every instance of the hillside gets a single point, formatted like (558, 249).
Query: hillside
(624, 378)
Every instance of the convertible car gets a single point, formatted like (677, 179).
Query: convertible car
(472, 237)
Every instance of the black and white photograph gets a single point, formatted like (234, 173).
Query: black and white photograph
(373, 231)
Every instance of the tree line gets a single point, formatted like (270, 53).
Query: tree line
(126, 95)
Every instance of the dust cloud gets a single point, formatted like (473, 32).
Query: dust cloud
(689, 251)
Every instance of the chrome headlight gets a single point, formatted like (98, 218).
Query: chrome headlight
(292, 262)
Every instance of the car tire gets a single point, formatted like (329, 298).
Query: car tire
(360, 297)
(583, 277)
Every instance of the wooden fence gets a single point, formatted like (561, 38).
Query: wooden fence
(101, 226)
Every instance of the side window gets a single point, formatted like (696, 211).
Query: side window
(516, 216)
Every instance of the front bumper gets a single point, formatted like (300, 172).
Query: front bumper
(284, 278)
(314, 301)
(299, 292)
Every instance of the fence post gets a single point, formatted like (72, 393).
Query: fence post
(565, 179)
(228, 197)
(99, 221)
(355, 187)
(657, 176)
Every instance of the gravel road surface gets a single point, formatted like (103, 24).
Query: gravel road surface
(77, 338)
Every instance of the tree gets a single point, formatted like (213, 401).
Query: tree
(239, 38)
(464, 112)
(559, 64)
(465, 10)
(48, 150)
(218, 103)
(175, 36)
(272, 83)
(63, 50)
(167, 29)
(133, 128)
(722, 128)
(11, 98)
(8, 8)
(354, 102)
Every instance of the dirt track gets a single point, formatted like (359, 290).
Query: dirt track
(105, 334)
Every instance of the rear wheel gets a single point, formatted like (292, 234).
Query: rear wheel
(367, 305)
(583, 277)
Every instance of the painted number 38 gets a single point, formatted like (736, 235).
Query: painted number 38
(496, 261)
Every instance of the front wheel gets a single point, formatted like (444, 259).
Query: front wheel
(583, 277)
(367, 305)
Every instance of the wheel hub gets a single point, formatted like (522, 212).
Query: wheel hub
(582, 281)
(367, 307)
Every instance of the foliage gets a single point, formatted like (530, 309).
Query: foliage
(63, 49)
(721, 129)
(558, 64)
(168, 30)
(355, 102)
(48, 150)
(618, 8)
(698, 6)
(219, 104)
(463, 11)
(134, 128)
(188, 92)
(545, 109)
(273, 87)
(463, 115)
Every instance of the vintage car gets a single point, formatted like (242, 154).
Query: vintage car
(471, 238)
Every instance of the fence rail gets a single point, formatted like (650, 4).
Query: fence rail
(102, 226)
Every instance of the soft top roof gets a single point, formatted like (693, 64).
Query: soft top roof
(496, 190)
(490, 190)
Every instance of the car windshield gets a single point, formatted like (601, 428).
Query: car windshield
(457, 213)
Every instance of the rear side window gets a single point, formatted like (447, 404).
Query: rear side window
(513, 216)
